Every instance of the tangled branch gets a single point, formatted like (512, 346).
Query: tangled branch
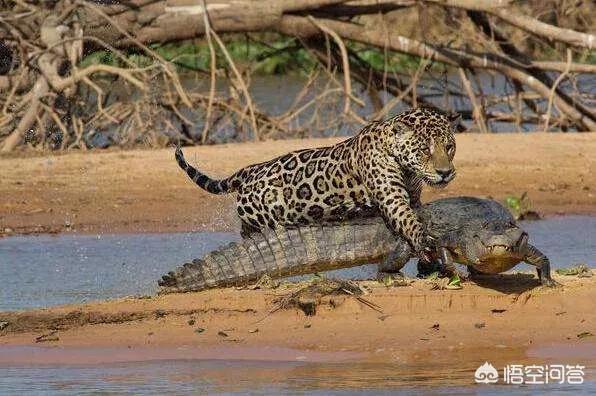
(79, 74)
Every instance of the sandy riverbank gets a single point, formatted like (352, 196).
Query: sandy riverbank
(145, 191)
(502, 317)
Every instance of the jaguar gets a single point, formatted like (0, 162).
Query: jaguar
(380, 170)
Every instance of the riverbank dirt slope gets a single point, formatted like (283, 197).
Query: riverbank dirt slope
(145, 191)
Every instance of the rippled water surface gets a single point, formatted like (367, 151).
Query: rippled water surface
(260, 377)
(39, 271)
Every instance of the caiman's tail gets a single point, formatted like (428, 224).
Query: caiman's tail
(202, 180)
(283, 252)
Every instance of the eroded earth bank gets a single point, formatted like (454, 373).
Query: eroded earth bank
(141, 191)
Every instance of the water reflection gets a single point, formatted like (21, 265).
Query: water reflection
(216, 376)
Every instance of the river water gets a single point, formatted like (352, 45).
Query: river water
(182, 377)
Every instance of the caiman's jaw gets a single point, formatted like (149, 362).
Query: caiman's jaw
(499, 253)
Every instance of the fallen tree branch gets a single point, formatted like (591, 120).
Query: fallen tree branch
(40, 89)
(478, 111)
(524, 22)
(554, 89)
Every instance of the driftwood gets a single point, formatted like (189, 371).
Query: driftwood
(43, 86)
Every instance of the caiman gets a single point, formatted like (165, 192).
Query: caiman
(478, 233)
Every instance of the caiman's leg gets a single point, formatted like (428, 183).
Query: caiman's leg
(425, 267)
(447, 266)
(444, 264)
(536, 258)
(473, 271)
(396, 260)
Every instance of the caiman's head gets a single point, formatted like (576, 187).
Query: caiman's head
(425, 144)
(493, 247)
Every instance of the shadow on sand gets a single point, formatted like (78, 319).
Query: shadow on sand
(516, 283)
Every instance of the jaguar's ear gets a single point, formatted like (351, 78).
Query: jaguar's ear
(455, 120)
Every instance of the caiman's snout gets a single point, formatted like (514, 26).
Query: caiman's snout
(506, 243)
(499, 250)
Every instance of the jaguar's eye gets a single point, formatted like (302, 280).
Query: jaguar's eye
(450, 147)
(426, 150)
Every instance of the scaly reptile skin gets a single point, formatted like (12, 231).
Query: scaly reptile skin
(475, 232)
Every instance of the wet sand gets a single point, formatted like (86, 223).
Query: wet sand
(145, 191)
(503, 317)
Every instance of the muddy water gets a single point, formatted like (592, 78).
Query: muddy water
(39, 271)
(262, 376)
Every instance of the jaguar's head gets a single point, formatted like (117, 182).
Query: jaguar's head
(425, 144)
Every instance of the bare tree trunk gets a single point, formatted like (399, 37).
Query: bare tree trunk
(39, 90)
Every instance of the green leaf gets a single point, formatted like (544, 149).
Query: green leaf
(513, 203)
(580, 269)
(387, 281)
(433, 276)
(454, 281)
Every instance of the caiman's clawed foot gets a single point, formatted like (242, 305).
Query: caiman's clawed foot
(382, 275)
(426, 268)
(393, 279)
(550, 282)
(540, 261)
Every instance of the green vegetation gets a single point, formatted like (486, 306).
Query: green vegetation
(581, 270)
(281, 55)
(278, 57)
(589, 57)
(454, 283)
(521, 207)
(392, 62)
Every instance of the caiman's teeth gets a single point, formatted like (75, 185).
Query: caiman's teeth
(505, 247)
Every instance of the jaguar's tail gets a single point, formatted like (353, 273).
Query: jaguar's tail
(202, 180)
